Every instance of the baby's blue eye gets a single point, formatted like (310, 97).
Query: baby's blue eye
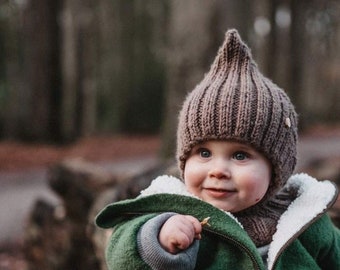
(240, 155)
(204, 153)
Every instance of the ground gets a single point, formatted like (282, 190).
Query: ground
(20, 156)
(16, 156)
(23, 157)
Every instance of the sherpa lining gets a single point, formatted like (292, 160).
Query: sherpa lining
(312, 200)
(166, 184)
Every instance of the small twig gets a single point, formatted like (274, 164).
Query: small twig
(205, 221)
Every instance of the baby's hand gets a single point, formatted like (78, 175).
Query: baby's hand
(178, 233)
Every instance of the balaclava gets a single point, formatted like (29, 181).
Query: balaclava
(235, 101)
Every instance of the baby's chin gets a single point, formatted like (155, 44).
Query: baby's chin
(222, 206)
(230, 208)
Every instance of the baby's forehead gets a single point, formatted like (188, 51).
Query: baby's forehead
(233, 143)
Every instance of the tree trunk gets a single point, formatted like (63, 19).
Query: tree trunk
(297, 55)
(79, 62)
(42, 69)
(14, 102)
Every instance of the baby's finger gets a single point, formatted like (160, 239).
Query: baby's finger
(183, 241)
(196, 224)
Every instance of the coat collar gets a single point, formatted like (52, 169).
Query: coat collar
(313, 199)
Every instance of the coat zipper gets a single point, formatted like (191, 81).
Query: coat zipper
(239, 245)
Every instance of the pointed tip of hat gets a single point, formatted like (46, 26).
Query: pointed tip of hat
(233, 51)
(233, 38)
(232, 34)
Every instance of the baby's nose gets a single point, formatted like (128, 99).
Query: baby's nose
(220, 169)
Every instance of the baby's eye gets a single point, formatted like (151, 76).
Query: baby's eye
(240, 155)
(204, 153)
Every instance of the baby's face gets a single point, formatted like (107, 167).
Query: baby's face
(229, 175)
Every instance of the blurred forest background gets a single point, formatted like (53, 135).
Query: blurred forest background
(77, 69)
(72, 68)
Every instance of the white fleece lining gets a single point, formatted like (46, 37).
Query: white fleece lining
(166, 184)
(313, 198)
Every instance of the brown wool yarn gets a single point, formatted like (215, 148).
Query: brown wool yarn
(235, 101)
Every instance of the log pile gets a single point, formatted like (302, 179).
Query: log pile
(57, 236)
(64, 236)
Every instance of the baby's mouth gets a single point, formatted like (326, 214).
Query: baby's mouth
(218, 193)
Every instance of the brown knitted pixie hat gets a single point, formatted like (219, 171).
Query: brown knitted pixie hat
(235, 101)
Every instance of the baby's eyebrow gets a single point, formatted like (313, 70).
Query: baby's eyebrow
(199, 145)
(246, 148)
(195, 148)
(243, 146)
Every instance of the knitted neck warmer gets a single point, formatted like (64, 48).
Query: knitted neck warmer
(260, 220)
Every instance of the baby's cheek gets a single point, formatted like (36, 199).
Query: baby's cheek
(251, 183)
(256, 189)
(193, 176)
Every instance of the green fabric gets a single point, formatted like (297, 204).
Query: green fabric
(123, 245)
(224, 245)
(318, 246)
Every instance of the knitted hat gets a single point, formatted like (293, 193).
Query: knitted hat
(235, 101)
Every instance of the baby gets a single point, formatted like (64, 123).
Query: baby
(238, 206)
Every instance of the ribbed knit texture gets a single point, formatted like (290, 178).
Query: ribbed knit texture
(260, 220)
(235, 101)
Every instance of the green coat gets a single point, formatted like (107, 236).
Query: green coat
(305, 237)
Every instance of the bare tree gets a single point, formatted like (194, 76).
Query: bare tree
(42, 69)
(79, 62)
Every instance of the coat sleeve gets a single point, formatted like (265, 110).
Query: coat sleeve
(155, 256)
(323, 242)
(122, 251)
(134, 245)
